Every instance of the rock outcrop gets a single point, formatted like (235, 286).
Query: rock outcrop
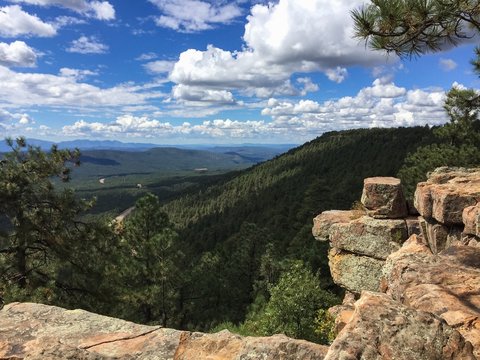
(427, 304)
(447, 202)
(384, 199)
(380, 328)
(40, 332)
(361, 240)
(447, 285)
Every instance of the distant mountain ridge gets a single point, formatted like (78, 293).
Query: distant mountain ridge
(86, 144)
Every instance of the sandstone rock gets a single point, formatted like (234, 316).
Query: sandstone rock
(343, 313)
(384, 198)
(471, 219)
(434, 234)
(367, 236)
(446, 285)
(381, 328)
(354, 272)
(323, 222)
(446, 193)
(34, 332)
(413, 226)
(225, 345)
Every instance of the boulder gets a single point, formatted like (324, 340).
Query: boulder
(371, 237)
(34, 332)
(446, 284)
(382, 329)
(446, 193)
(384, 198)
(323, 222)
(471, 220)
(354, 272)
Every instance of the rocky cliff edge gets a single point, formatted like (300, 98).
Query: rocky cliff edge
(412, 273)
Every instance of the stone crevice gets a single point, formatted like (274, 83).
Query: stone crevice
(126, 338)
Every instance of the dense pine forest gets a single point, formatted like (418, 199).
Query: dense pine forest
(236, 252)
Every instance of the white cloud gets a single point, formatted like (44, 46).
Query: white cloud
(380, 105)
(33, 89)
(291, 36)
(12, 121)
(337, 75)
(16, 22)
(87, 45)
(447, 64)
(290, 121)
(62, 21)
(194, 15)
(101, 10)
(132, 126)
(76, 74)
(308, 85)
(18, 54)
(146, 56)
(197, 94)
(159, 66)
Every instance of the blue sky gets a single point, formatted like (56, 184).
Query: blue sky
(216, 71)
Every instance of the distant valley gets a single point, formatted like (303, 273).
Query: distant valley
(118, 173)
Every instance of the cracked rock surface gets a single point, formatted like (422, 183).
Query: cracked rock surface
(383, 329)
(34, 331)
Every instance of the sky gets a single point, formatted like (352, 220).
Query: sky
(208, 72)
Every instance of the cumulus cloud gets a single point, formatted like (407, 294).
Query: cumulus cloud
(383, 104)
(101, 10)
(17, 54)
(77, 74)
(290, 36)
(16, 22)
(132, 126)
(194, 15)
(159, 66)
(87, 45)
(198, 94)
(447, 64)
(34, 89)
(11, 121)
(380, 105)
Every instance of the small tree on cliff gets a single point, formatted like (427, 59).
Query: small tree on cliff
(411, 28)
(294, 304)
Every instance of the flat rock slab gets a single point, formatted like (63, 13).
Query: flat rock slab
(383, 329)
(447, 285)
(34, 332)
(384, 198)
(323, 222)
(446, 193)
(355, 272)
(371, 237)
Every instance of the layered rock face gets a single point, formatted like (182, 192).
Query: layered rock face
(448, 203)
(427, 303)
(361, 240)
(40, 332)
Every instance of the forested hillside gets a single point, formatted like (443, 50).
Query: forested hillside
(238, 251)
(228, 229)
